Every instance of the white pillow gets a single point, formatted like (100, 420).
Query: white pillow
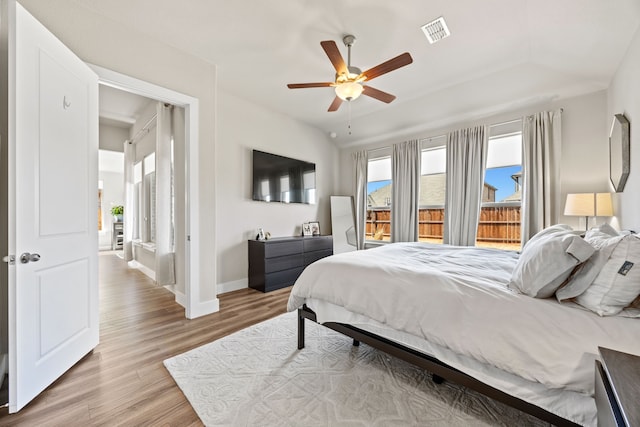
(547, 259)
(607, 229)
(585, 275)
(618, 282)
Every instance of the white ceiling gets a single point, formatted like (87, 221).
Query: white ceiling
(502, 54)
(119, 108)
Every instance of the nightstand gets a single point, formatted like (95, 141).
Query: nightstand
(617, 385)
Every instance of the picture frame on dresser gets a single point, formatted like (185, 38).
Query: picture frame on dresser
(315, 228)
(306, 229)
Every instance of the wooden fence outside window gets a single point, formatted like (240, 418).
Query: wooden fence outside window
(499, 223)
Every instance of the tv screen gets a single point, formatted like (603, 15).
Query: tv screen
(282, 179)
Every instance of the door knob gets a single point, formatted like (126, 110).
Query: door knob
(26, 257)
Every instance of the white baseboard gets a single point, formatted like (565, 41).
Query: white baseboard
(204, 308)
(181, 298)
(200, 309)
(146, 270)
(232, 286)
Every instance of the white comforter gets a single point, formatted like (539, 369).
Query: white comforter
(457, 297)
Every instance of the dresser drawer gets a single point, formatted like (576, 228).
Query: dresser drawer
(276, 249)
(317, 243)
(283, 263)
(310, 257)
(281, 279)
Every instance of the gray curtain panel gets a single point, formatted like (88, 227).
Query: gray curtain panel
(541, 142)
(466, 161)
(165, 253)
(405, 193)
(360, 166)
(129, 204)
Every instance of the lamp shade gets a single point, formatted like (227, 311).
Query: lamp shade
(580, 204)
(604, 207)
(349, 91)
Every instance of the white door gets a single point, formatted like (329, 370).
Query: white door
(53, 160)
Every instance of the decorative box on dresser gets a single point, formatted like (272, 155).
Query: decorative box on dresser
(276, 263)
(617, 385)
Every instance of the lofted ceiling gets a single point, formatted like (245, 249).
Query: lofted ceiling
(501, 55)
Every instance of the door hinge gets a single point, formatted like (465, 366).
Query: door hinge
(9, 259)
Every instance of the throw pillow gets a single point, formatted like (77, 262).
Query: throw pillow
(604, 245)
(547, 260)
(618, 283)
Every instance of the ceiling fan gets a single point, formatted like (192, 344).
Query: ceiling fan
(349, 80)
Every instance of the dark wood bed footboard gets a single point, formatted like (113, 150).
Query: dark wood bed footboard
(440, 371)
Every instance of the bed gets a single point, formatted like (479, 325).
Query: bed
(455, 312)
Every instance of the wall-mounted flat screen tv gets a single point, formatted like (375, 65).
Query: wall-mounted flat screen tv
(282, 179)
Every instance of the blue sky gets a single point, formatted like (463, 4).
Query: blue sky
(501, 179)
(498, 177)
(373, 186)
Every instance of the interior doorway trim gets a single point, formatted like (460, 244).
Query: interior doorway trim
(191, 299)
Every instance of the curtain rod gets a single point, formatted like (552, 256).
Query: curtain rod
(145, 128)
(445, 135)
(373, 150)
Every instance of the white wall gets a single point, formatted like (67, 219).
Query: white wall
(624, 97)
(244, 126)
(584, 165)
(101, 41)
(112, 137)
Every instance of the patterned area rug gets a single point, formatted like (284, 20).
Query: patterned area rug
(257, 377)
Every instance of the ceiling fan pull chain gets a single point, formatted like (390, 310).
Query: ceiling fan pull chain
(349, 125)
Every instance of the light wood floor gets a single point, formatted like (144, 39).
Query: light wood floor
(123, 381)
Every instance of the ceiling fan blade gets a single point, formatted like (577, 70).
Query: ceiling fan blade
(306, 85)
(378, 94)
(390, 65)
(331, 49)
(335, 104)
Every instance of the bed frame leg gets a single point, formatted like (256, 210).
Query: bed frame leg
(356, 343)
(300, 330)
(437, 379)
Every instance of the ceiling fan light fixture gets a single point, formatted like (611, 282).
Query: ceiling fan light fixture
(348, 91)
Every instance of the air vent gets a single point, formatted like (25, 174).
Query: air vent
(436, 30)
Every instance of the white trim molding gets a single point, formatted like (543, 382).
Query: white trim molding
(234, 285)
(204, 308)
(192, 143)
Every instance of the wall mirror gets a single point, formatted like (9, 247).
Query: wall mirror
(619, 152)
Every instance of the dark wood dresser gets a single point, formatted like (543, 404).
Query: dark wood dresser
(617, 386)
(277, 263)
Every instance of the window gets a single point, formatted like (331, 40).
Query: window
(433, 185)
(379, 186)
(499, 224)
(149, 166)
(138, 213)
(144, 196)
